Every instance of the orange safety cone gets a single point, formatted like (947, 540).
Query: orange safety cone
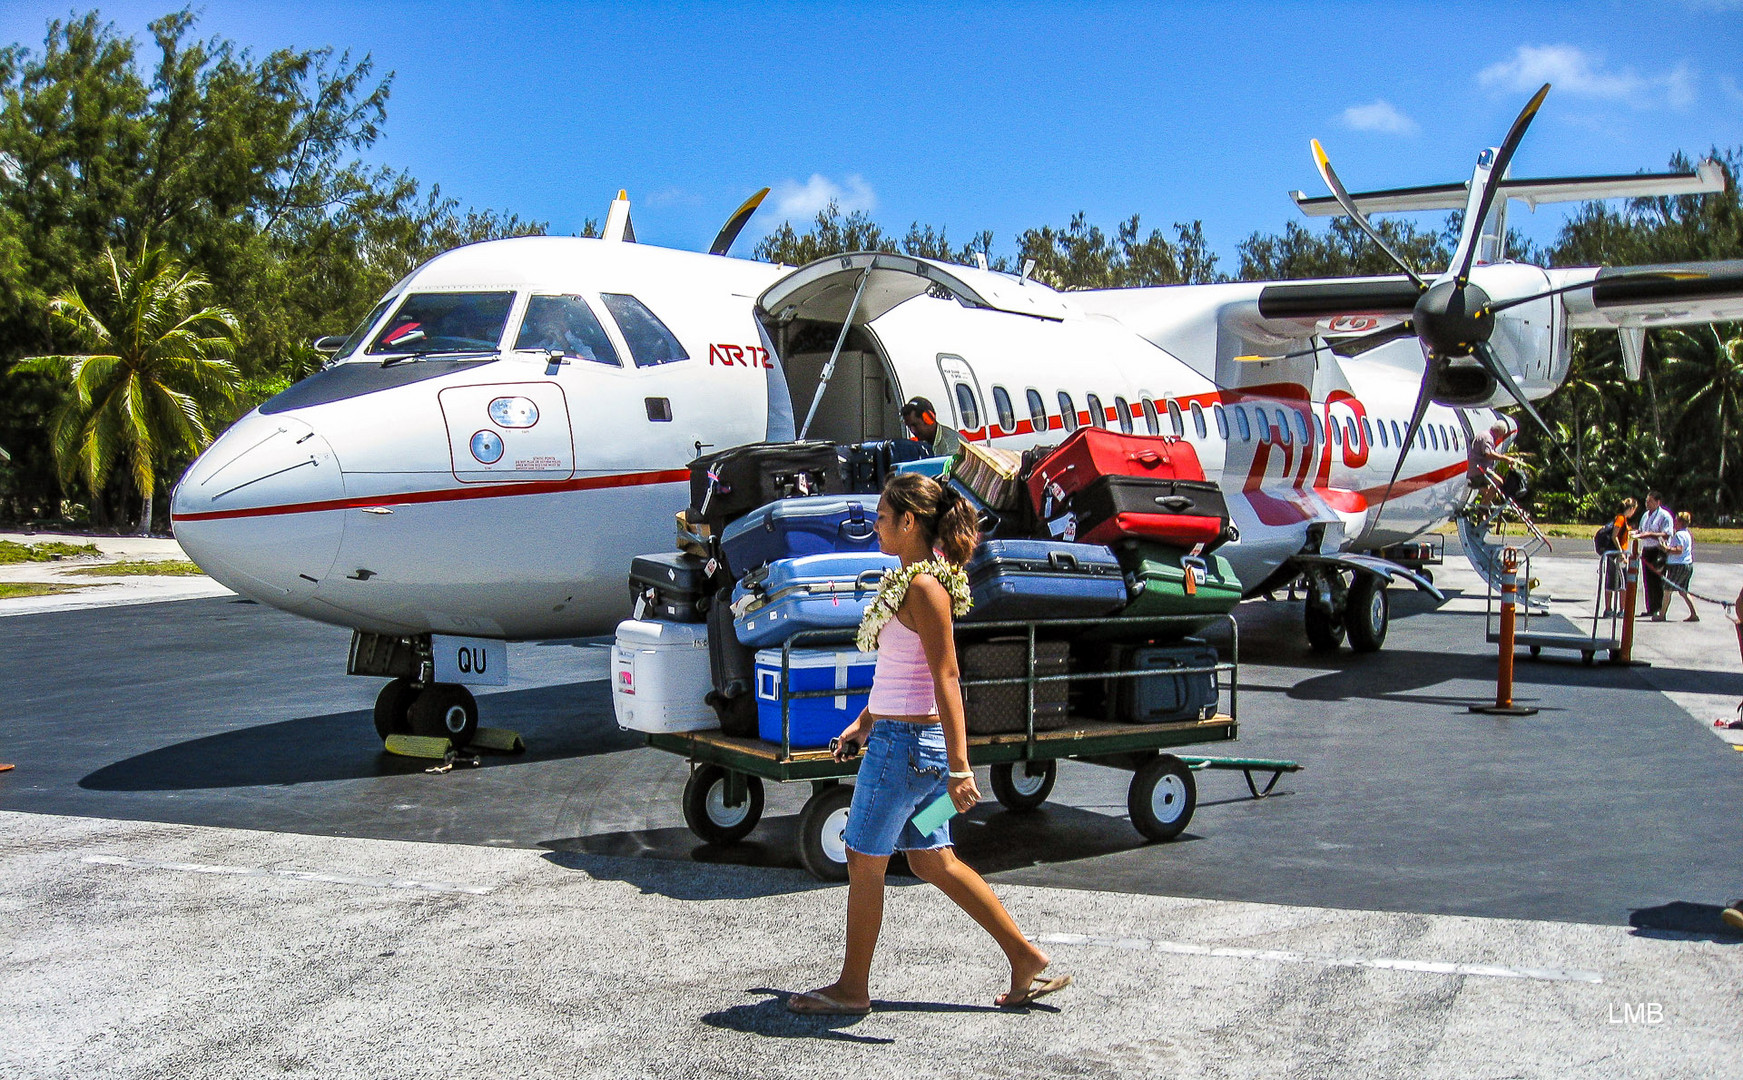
(1630, 595)
(1504, 672)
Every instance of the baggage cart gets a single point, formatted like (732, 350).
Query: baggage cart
(723, 799)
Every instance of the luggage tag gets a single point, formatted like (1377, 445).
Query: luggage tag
(1064, 528)
(1196, 573)
(641, 605)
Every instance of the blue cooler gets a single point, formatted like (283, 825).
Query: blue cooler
(812, 592)
(812, 722)
(788, 528)
(935, 467)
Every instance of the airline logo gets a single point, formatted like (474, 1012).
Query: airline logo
(738, 356)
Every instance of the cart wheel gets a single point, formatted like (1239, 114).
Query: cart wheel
(1019, 789)
(1537, 650)
(822, 833)
(1586, 657)
(1162, 797)
(707, 814)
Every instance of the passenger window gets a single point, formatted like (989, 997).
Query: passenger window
(1097, 415)
(1367, 431)
(1397, 435)
(1222, 422)
(1354, 440)
(445, 322)
(1174, 419)
(1037, 410)
(650, 343)
(1383, 443)
(1264, 424)
(968, 407)
(1300, 426)
(1067, 411)
(565, 324)
(1002, 405)
(1241, 422)
(1198, 420)
(1123, 410)
(1337, 433)
(1319, 427)
(1283, 428)
(1152, 423)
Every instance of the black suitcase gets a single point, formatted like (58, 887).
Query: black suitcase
(1158, 500)
(669, 587)
(732, 667)
(731, 483)
(1001, 709)
(866, 466)
(1164, 697)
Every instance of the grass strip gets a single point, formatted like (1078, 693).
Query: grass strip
(141, 568)
(12, 590)
(47, 551)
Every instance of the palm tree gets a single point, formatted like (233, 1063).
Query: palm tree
(1707, 369)
(156, 371)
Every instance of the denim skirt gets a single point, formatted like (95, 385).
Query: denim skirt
(903, 770)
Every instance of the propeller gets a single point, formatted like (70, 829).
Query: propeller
(736, 223)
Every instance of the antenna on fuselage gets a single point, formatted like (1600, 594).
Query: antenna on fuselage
(617, 223)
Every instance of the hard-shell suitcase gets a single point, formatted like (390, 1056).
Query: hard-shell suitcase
(659, 677)
(812, 722)
(1165, 580)
(789, 528)
(732, 482)
(991, 473)
(1099, 485)
(731, 669)
(1003, 707)
(1171, 694)
(669, 586)
(866, 466)
(938, 468)
(811, 592)
(1043, 579)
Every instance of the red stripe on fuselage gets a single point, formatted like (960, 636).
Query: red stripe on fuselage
(489, 491)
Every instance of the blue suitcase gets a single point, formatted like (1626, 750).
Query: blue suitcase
(812, 722)
(789, 528)
(1043, 579)
(811, 592)
(1163, 697)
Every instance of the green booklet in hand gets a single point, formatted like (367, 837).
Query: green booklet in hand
(934, 814)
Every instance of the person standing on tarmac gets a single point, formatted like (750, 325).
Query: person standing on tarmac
(1679, 567)
(921, 420)
(1656, 525)
(916, 746)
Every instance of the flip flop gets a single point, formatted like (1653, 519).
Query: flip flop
(824, 1006)
(1039, 987)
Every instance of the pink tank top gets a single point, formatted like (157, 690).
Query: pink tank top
(902, 681)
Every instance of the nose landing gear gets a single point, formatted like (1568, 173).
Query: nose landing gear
(438, 710)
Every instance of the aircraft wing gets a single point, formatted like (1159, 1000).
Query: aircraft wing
(1627, 296)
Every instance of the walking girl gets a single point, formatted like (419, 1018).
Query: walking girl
(916, 746)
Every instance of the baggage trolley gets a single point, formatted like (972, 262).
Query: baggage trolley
(723, 799)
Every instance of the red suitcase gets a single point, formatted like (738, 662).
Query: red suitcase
(1102, 485)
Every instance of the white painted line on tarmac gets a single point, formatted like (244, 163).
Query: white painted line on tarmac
(1282, 956)
(294, 875)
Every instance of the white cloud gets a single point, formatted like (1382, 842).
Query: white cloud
(1572, 70)
(794, 200)
(1380, 116)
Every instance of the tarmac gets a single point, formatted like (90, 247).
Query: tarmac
(210, 869)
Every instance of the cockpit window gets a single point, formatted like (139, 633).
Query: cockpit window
(649, 340)
(445, 323)
(355, 337)
(565, 324)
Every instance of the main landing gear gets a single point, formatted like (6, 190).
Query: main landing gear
(439, 710)
(1344, 605)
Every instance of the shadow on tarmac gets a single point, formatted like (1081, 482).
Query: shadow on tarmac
(557, 722)
(770, 1017)
(1681, 920)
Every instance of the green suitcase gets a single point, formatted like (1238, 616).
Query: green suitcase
(1165, 580)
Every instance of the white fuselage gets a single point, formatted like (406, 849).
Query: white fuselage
(355, 498)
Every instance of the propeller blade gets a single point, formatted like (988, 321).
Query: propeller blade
(1356, 346)
(1644, 275)
(1343, 197)
(1477, 207)
(1485, 355)
(736, 223)
(1416, 415)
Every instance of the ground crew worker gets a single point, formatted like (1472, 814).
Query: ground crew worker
(921, 420)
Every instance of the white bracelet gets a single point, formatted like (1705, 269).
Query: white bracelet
(969, 775)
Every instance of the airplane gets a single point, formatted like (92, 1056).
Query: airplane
(490, 447)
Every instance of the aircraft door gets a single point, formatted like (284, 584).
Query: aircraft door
(967, 404)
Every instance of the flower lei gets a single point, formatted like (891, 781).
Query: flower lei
(893, 590)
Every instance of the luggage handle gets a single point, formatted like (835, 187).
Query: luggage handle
(1062, 560)
(1150, 459)
(856, 527)
(1176, 503)
(876, 578)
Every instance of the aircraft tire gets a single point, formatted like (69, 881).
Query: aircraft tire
(1324, 632)
(1367, 614)
(445, 711)
(390, 708)
(706, 812)
(1162, 797)
(822, 848)
(1017, 790)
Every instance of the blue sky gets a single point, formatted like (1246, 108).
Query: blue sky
(997, 115)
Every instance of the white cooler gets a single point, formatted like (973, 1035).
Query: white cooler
(659, 677)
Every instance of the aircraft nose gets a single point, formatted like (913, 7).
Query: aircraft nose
(259, 510)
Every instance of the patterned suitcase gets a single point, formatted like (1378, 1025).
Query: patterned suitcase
(1002, 708)
(1043, 579)
(791, 528)
(812, 592)
(991, 473)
